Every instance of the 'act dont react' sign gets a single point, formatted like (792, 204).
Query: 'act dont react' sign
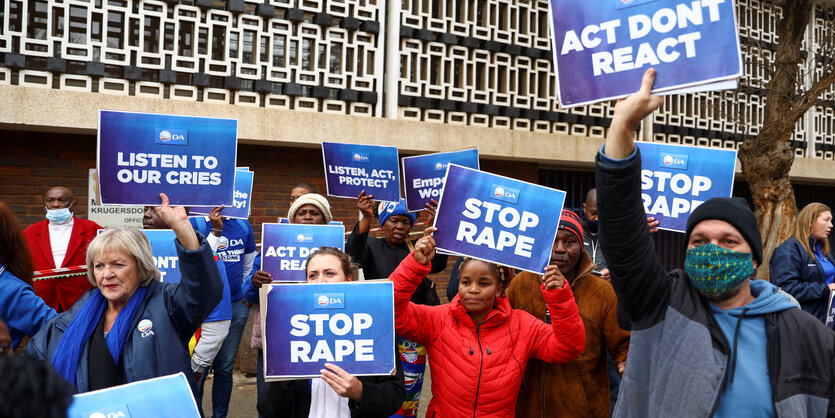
(285, 247)
(602, 48)
(352, 168)
(141, 155)
(497, 219)
(347, 324)
(676, 179)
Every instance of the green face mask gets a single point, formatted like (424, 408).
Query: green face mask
(715, 270)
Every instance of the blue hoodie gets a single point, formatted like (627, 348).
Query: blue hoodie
(747, 384)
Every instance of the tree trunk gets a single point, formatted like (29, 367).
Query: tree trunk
(767, 159)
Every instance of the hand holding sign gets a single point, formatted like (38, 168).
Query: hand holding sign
(177, 219)
(553, 279)
(342, 382)
(260, 278)
(431, 209)
(425, 247)
(630, 111)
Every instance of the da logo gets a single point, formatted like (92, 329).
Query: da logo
(145, 327)
(439, 166)
(223, 243)
(361, 158)
(304, 238)
(506, 194)
(119, 410)
(172, 137)
(329, 300)
(676, 161)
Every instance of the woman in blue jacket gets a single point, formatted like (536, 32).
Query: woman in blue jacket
(130, 326)
(23, 312)
(802, 265)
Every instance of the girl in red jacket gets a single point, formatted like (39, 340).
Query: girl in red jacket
(478, 346)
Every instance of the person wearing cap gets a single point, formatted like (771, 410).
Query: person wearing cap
(236, 247)
(579, 388)
(378, 259)
(309, 209)
(707, 340)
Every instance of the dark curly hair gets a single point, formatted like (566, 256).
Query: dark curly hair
(502, 273)
(32, 388)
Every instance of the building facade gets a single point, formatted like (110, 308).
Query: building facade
(421, 75)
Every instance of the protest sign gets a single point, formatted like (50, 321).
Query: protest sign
(497, 219)
(285, 247)
(164, 252)
(168, 396)
(110, 216)
(141, 155)
(830, 311)
(240, 200)
(424, 175)
(350, 169)
(676, 179)
(602, 48)
(305, 326)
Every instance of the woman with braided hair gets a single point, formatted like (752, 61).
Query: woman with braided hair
(478, 347)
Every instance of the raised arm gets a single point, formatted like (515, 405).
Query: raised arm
(201, 285)
(636, 272)
(357, 244)
(565, 338)
(411, 320)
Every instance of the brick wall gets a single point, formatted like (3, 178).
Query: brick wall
(32, 162)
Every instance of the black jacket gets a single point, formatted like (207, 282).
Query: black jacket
(382, 396)
(678, 356)
(801, 276)
(379, 259)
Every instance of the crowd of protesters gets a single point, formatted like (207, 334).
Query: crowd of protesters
(604, 331)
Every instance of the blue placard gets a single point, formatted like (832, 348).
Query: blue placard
(347, 324)
(285, 247)
(675, 179)
(164, 251)
(352, 168)
(141, 155)
(424, 175)
(497, 219)
(602, 48)
(168, 396)
(241, 199)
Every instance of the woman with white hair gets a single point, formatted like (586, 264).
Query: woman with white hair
(130, 326)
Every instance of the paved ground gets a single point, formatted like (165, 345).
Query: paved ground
(244, 394)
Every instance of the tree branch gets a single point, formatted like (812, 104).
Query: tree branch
(812, 96)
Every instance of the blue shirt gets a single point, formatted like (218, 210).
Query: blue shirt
(826, 265)
(23, 312)
(237, 239)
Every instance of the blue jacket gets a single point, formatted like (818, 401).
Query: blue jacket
(23, 312)
(175, 310)
(800, 276)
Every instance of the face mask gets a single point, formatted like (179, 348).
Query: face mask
(716, 270)
(58, 216)
(592, 226)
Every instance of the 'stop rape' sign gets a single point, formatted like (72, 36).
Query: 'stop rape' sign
(141, 155)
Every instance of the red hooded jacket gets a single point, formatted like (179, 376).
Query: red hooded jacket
(477, 370)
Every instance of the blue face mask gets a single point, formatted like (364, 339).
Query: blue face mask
(714, 270)
(58, 216)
